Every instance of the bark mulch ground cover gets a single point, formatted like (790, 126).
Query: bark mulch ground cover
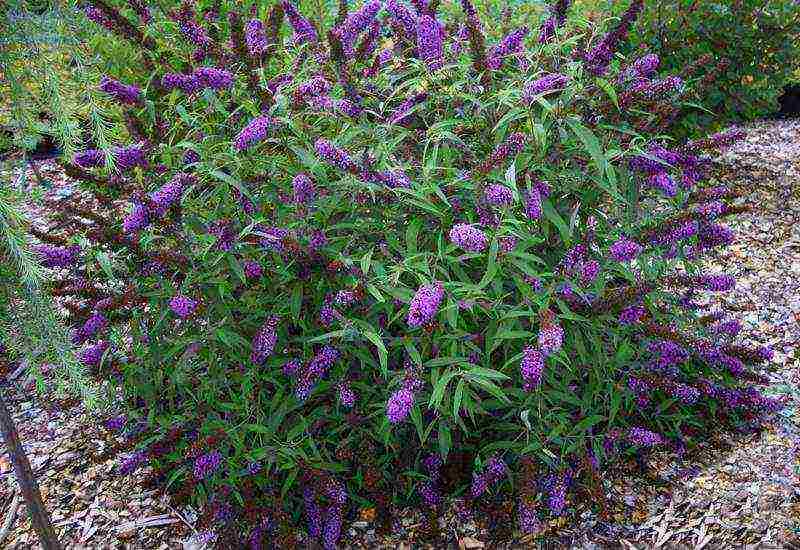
(741, 490)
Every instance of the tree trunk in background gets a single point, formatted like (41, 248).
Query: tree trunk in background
(30, 489)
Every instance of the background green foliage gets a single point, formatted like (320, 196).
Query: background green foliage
(760, 39)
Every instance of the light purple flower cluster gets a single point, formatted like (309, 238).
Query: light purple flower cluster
(57, 256)
(347, 397)
(513, 145)
(316, 369)
(392, 179)
(624, 250)
(303, 29)
(92, 355)
(532, 368)
(291, 367)
(137, 220)
(255, 131)
(132, 462)
(264, 341)
(214, 78)
(313, 513)
(511, 44)
(182, 306)
(206, 464)
(551, 338)
(399, 405)
(252, 269)
(498, 195)
(93, 325)
(255, 37)
(493, 472)
(644, 438)
(425, 304)
(542, 85)
(557, 485)
(686, 394)
(272, 238)
(468, 238)
(124, 93)
(430, 41)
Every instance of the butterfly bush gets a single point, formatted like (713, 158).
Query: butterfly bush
(463, 249)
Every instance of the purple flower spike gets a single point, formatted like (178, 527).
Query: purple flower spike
(356, 23)
(137, 220)
(430, 41)
(510, 45)
(313, 514)
(93, 325)
(255, 37)
(92, 355)
(129, 157)
(624, 250)
(55, 256)
(335, 156)
(531, 367)
(216, 79)
(252, 269)
(182, 306)
(717, 283)
(644, 438)
(303, 189)
(632, 315)
(124, 93)
(399, 405)
(493, 472)
(188, 83)
(400, 14)
(468, 238)
(264, 341)
(347, 396)
(425, 304)
(498, 195)
(255, 131)
(169, 193)
(543, 85)
(303, 29)
(207, 464)
(403, 110)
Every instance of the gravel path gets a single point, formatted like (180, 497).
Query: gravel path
(742, 490)
(751, 495)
